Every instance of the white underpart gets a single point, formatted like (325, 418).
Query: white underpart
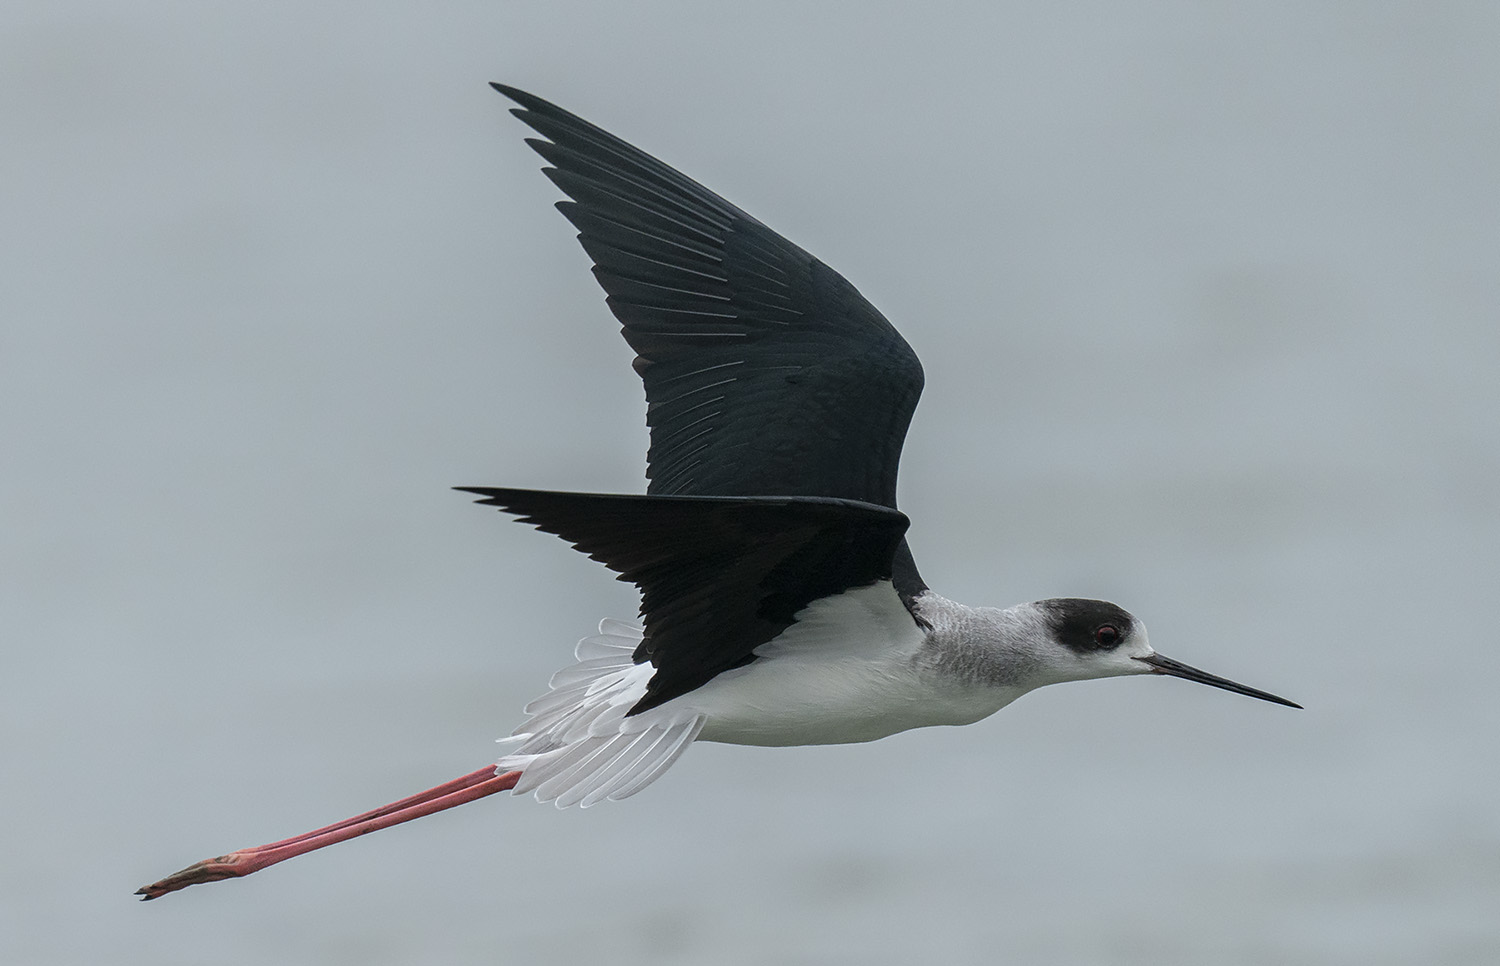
(851, 668)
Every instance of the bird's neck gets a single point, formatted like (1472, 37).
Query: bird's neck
(989, 647)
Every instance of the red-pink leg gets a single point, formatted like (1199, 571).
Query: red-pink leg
(245, 861)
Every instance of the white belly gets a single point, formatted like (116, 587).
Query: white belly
(850, 669)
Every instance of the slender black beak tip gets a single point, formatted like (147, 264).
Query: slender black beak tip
(1176, 669)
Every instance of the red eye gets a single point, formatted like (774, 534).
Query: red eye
(1107, 635)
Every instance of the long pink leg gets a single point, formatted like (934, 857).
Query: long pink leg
(245, 861)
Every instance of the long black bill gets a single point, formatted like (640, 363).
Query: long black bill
(1165, 665)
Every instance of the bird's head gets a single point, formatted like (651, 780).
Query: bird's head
(1096, 639)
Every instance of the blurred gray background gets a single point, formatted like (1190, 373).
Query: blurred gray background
(1207, 296)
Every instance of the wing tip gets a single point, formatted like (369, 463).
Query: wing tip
(490, 495)
(530, 104)
(516, 94)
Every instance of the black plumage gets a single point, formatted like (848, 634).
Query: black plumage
(718, 575)
(769, 380)
(766, 373)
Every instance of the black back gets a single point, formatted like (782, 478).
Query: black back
(718, 575)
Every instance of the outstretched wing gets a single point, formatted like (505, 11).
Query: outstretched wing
(719, 575)
(765, 371)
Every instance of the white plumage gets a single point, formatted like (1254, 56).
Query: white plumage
(853, 667)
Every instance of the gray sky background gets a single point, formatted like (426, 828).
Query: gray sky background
(1207, 297)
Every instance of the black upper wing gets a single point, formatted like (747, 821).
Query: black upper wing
(765, 371)
(718, 575)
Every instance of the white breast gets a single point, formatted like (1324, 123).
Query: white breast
(851, 668)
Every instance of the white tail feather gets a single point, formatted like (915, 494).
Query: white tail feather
(580, 746)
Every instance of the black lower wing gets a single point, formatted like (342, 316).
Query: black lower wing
(719, 575)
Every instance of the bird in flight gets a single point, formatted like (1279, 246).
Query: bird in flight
(780, 604)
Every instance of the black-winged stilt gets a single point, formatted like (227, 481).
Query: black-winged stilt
(780, 603)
